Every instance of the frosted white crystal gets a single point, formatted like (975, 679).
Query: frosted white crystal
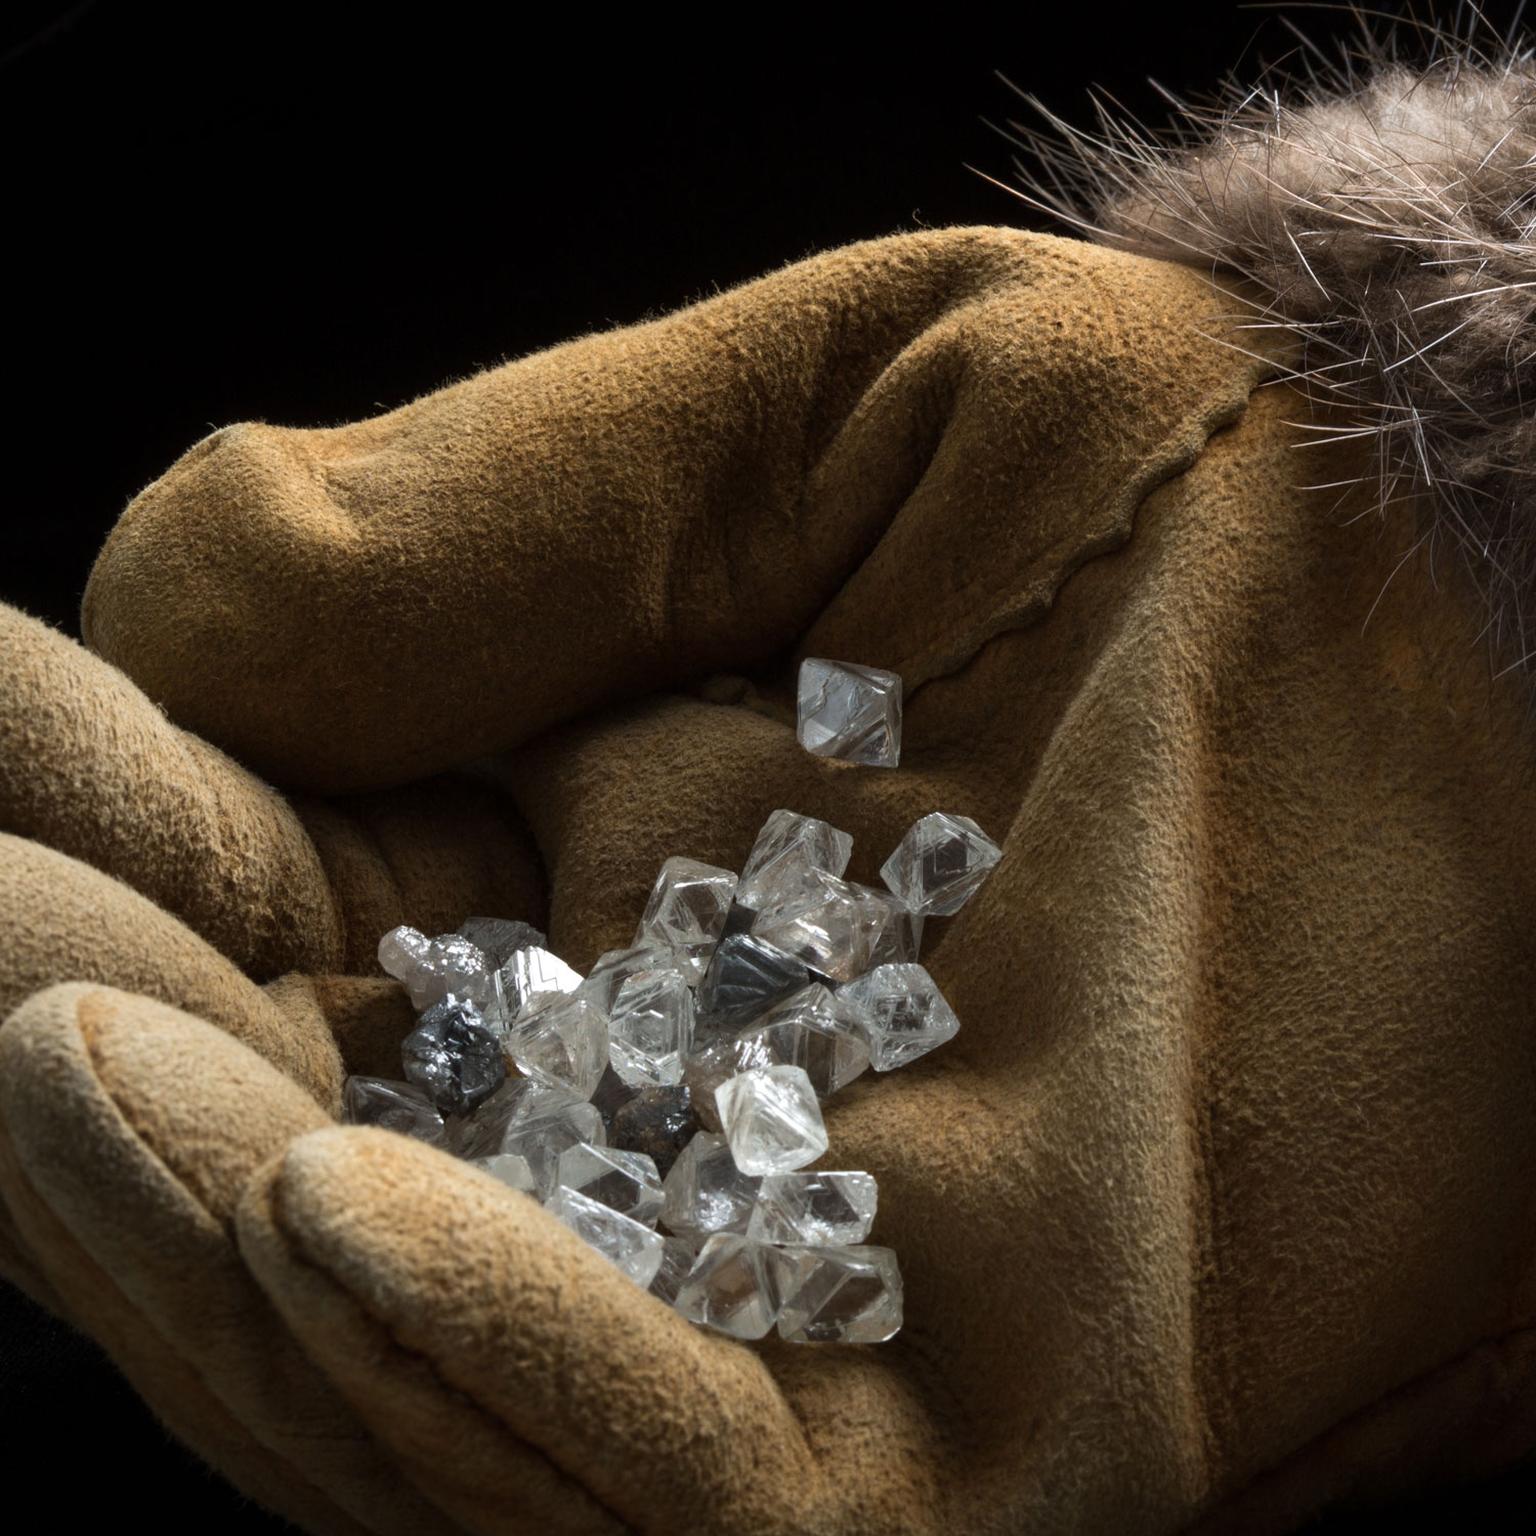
(450, 966)
(787, 849)
(650, 1028)
(538, 1121)
(735, 1286)
(771, 1119)
(561, 1038)
(706, 1192)
(906, 1014)
(849, 712)
(824, 923)
(937, 867)
(814, 1208)
(625, 1181)
(394, 1107)
(453, 1058)
(847, 1295)
(512, 1170)
(686, 911)
(402, 950)
(633, 1248)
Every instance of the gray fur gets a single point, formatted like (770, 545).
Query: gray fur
(1387, 210)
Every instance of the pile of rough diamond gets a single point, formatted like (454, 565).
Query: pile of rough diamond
(679, 1083)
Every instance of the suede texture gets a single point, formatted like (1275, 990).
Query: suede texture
(1218, 1210)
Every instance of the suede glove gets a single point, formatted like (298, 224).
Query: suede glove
(1218, 1207)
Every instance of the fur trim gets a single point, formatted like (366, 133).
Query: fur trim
(1387, 211)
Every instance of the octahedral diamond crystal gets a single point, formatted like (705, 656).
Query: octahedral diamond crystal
(393, 1106)
(633, 1248)
(907, 1015)
(849, 712)
(816, 1029)
(686, 911)
(535, 1120)
(771, 1119)
(511, 1170)
(650, 1027)
(614, 968)
(561, 1038)
(678, 1255)
(814, 1208)
(498, 938)
(892, 933)
(530, 975)
(453, 1058)
(824, 923)
(625, 1181)
(839, 1295)
(938, 865)
(735, 1286)
(787, 849)
(746, 976)
(706, 1192)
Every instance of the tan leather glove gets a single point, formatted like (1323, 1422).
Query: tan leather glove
(1218, 1207)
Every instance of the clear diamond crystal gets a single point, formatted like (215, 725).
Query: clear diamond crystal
(535, 1120)
(498, 938)
(907, 1015)
(687, 910)
(787, 849)
(771, 1119)
(746, 977)
(892, 932)
(678, 1256)
(825, 924)
(814, 1208)
(607, 978)
(394, 1106)
(650, 1027)
(849, 712)
(710, 1065)
(626, 1181)
(656, 1121)
(635, 1249)
(814, 1029)
(705, 1191)
(453, 1058)
(561, 1038)
(512, 1170)
(735, 1286)
(938, 865)
(839, 1295)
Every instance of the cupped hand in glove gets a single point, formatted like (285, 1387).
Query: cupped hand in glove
(1218, 1206)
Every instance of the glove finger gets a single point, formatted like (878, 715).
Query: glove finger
(130, 1129)
(90, 767)
(525, 1383)
(61, 920)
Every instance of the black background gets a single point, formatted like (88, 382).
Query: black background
(308, 215)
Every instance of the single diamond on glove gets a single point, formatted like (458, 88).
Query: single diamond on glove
(938, 865)
(850, 712)
(679, 1082)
